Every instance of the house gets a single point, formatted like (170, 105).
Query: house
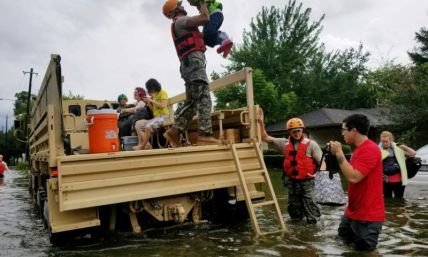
(325, 124)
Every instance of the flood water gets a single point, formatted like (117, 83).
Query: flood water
(405, 232)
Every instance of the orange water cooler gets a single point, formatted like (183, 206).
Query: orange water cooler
(103, 130)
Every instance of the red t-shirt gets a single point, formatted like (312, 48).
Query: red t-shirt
(365, 201)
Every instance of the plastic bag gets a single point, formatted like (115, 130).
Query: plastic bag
(329, 191)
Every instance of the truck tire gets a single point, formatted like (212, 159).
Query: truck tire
(41, 198)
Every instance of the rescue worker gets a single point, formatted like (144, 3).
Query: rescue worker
(301, 159)
(3, 166)
(212, 35)
(190, 47)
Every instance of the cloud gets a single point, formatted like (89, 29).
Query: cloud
(109, 47)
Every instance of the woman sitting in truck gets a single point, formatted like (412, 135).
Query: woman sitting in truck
(139, 94)
(139, 110)
(158, 103)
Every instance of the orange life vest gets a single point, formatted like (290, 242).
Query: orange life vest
(2, 168)
(296, 164)
(187, 43)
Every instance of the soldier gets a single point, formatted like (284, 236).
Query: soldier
(301, 159)
(190, 47)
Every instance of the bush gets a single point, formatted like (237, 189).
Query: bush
(22, 165)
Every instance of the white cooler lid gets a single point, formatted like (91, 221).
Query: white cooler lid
(102, 111)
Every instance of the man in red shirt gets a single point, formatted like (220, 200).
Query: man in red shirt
(365, 212)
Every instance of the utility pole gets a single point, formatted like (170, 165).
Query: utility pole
(27, 120)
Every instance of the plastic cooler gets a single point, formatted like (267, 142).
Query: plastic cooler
(103, 130)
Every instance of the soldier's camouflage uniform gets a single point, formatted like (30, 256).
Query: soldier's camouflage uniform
(198, 99)
(301, 203)
(300, 200)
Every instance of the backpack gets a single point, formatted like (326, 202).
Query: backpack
(413, 164)
(144, 113)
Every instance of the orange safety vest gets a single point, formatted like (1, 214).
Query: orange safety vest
(296, 164)
(187, 43)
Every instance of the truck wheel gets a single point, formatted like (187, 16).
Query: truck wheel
(30, 185)
(45, 214)
(41, 198)
(54, 238)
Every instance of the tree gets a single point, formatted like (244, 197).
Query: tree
(20, 105)
(334, 80)
(420, 56)
(281, 43)
(276, 106)
(10, 147)
(284, 44)
(70, 96)
(404, 91)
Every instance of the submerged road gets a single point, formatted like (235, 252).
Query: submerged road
(405, 232)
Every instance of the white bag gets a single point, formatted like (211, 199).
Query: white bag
(329, 191)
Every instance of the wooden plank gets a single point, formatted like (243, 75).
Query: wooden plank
(264, 203)
(219, 83)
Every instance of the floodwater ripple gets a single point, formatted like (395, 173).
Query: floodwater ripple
(405, 232)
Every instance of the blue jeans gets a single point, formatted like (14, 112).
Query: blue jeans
(211, 29)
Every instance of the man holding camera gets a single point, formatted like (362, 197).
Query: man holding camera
(301, 159)
(365, 212)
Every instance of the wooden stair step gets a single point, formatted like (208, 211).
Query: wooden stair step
(264, 203)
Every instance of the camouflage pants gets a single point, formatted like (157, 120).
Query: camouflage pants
(198, 99)
(301, 200)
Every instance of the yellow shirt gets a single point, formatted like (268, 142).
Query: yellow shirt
(157, 111)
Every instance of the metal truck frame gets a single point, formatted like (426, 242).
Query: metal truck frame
(170, 184)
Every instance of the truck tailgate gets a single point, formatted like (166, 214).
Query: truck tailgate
(100, 179)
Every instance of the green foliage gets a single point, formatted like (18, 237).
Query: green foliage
(275, 106)
(280, 42)
(334, 80)
(70, 96)
(405, 91)
(20, 105)
(22, 165)
(9, 146)
(293, 74)
(420, 56)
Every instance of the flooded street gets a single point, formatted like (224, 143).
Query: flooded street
(405, 232)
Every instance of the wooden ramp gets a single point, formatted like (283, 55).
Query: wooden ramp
(244, 178)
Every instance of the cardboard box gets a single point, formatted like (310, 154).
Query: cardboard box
(232, 135)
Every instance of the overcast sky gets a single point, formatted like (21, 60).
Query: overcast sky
(110, 47)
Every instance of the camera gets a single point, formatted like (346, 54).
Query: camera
(327, 148)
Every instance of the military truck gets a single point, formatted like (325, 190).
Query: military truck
(76, 189)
